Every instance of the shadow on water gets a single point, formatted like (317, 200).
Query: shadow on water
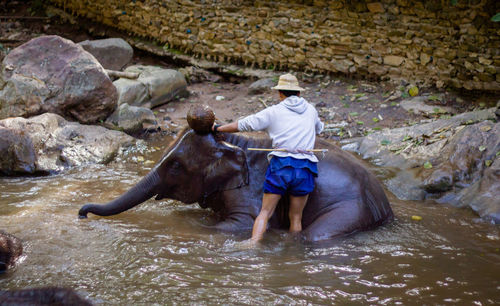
(161, 251)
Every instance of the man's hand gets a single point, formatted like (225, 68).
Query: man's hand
(215, 127)
(228, 128)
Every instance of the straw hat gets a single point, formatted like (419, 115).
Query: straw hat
(288, 82)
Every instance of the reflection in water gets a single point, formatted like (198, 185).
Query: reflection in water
(160, 251)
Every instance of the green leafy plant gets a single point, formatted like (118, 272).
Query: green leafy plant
(496, 18)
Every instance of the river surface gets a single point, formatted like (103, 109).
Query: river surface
(160, 253)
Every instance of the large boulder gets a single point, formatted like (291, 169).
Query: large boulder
(453, 161)
(11, 249)
(58, 144)
(112, 53)
(154, 86)
(53, 74)
(261, 86)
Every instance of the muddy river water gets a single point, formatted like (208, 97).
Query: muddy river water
(160, 252)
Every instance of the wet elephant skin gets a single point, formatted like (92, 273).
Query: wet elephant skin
(224, 176)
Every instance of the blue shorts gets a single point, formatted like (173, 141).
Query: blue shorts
(294, 181)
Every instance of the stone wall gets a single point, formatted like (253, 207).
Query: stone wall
(427, 42)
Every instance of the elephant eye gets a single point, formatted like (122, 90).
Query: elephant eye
(176, 165)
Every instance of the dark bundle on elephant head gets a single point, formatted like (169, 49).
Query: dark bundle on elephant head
(201, 118)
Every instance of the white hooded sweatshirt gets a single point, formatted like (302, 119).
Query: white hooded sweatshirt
(291, 124)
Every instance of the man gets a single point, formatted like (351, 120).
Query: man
(292, 125)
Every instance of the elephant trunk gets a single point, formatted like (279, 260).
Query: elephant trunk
(142, 191)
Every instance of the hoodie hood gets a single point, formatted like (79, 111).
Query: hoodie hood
(295, 104)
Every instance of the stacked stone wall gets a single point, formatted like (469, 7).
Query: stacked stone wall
(424, 42)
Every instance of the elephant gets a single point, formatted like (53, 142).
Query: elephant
(217, 171)
(11, 249)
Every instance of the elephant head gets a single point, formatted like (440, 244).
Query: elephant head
(193, 167)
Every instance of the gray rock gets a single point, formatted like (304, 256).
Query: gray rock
(261, 86)
(132, 118)
(453, 161)
(112, 53)
(417, 106)
(154, 86)
(59, 144)
(16, 151)
(483, 195)
(371, 145)
(53, 74)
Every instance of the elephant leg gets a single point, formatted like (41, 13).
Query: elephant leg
(345, 218)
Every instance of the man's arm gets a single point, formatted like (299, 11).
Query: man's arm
(228, 128)
(255, 122)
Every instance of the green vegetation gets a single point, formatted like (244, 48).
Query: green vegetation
(172, 50)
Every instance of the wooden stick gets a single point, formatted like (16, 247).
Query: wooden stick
(285, 150)
(122, 74)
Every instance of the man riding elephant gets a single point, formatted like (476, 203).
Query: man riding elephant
(218, 171)
(292, 126)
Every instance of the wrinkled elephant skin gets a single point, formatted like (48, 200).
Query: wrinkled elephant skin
(224, 176)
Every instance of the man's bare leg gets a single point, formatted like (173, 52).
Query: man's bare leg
(297, 205)
(269, 202)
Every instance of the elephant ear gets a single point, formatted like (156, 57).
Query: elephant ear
(229, 169)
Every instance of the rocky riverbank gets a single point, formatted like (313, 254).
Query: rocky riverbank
(436, 144)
